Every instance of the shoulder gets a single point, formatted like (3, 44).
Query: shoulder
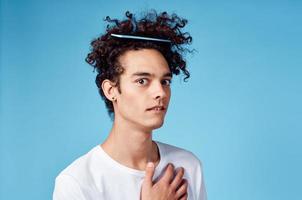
(75, 180)
(66, 187)
(178, 154)
(80, 169)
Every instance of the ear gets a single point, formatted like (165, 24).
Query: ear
(109, 89)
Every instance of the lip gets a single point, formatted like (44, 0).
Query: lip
(154, 108)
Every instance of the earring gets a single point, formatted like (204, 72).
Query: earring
(113, 98)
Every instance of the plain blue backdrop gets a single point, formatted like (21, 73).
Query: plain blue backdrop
(240, 112)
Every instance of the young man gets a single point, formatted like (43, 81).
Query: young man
(135, 61)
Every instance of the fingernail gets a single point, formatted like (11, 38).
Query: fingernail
(150, 164)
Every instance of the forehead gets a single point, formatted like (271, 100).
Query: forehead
(144, 60)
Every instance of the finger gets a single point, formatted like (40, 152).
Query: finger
(178, 178)
(169, 173)
(150, 168)
(182, 189)
(185, 197)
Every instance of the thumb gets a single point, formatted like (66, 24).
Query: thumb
(149, 173)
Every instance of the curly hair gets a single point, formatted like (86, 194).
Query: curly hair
(105, 50)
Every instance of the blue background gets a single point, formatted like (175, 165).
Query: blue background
(240, 112)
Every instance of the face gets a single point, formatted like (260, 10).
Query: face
(144, 84)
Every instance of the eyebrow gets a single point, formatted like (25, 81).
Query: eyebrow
(169, 74)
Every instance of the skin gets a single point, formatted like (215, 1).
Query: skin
(145, 83)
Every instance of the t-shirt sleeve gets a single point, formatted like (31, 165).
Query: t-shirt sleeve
(201, 193)
(67, 188)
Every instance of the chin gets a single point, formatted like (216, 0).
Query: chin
(156, 125)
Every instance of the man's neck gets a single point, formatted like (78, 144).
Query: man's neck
(131, 146)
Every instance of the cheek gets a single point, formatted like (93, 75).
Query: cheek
(132, 101)
(168, 92)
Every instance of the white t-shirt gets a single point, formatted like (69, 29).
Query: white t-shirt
(96, 176)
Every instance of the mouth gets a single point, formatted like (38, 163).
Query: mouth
(157, 109)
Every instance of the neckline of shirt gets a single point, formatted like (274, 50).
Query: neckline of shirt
(137, 172)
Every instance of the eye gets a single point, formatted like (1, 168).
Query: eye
(142, 81)
(167, 82)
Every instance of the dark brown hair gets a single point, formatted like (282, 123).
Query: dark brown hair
(106, 49)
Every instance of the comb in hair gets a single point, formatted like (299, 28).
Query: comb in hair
(139, 37)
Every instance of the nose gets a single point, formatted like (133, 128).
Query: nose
(159, 92)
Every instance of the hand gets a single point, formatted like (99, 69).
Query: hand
(167, 187)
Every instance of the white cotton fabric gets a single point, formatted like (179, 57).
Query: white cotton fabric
(96, 176)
